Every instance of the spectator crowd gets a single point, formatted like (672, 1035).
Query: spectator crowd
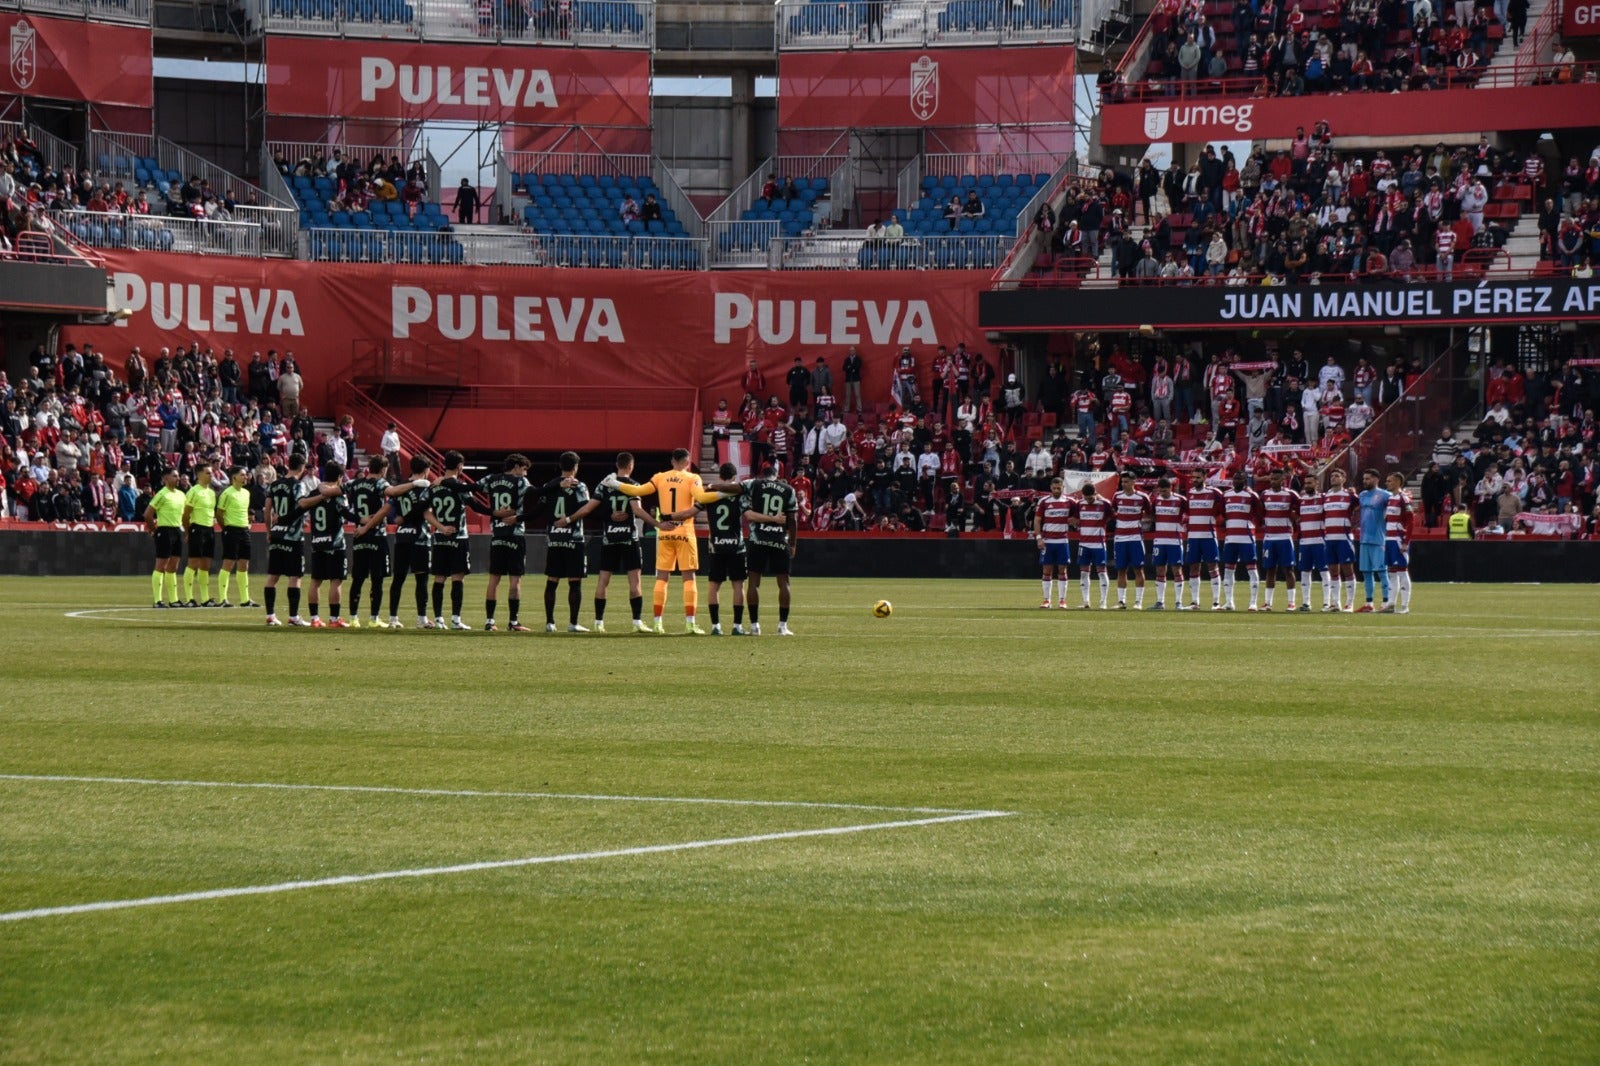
(81, 442)
(1308, 214)
(964, 442)
(1531, 458)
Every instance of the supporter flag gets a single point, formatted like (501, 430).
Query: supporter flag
(736, 452)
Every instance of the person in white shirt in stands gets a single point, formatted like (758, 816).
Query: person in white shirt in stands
(1358, 416)
(1473, 201)
(1310, 413)
(389, 445)
(1040, 464)
(1331, 372)
(830, 436)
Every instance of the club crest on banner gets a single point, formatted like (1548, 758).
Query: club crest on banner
(924, 88)
(24, 54)
(1156, 120)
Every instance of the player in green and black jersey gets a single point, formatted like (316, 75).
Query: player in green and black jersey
(327, 512)
(620, 536)
(448, 503)
(727, 518)
(412, 541)
(286, 548)
(773, 517)
(564, 552)
(369, 555)
(508, 544)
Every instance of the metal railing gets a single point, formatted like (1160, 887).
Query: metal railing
(361, 154)
(1028, 244)
(787, 166)
(579, 163)
(980, 164)
(1404, 431)
(121, 154)
(64, 245)
(131, 12)
(829, 25)
(164, 234)
(1539, 45)
(674, 198)
(129, 152)
(908, 184)
(742, 243)
(581, 23)
(54, 153)
(372, 420)
(511, 248)
(280, 227)
(840, 251)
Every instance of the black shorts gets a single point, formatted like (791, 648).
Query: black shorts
(169, 542)
(236, 544)
(620, 558)
(417, 554)
(765, 560)
(369, 561)
(330, 566)
(450, 558)
(202, 543)
(566, 563)
(286, 559)
(730, 566)
(507, 559)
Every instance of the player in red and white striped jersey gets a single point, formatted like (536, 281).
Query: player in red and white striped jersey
(1397, 543)
(1340, 507)
(1279, 507)
(1169, 510)
(1241, 515)
(1201, 553)
(1445, 243)
(1094, 517)
(1313, 550)
(1052, 532)
(1131, 508)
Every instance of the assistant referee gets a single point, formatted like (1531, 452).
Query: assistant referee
(234, 506)
(200, 516)
(164, 518)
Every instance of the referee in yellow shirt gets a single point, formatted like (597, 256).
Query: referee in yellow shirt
(234, 506)
(200, 519)
(164, 518)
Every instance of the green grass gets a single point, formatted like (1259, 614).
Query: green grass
(1236, 838)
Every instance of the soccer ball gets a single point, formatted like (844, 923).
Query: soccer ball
(882, 609)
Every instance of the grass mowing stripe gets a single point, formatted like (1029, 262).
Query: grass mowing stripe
(494, 864)
(484, 794)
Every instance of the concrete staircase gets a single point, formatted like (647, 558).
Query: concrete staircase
(1505, 57)
(1464, 431)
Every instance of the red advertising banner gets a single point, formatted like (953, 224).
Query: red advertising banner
(940, 87)
(1196, 119)
(68, 59)
(412, 82)
(542, 326)
(1580, 18)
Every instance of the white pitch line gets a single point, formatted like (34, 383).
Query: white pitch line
(487, 794)
(474, 867)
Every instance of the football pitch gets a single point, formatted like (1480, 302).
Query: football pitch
(972, 832)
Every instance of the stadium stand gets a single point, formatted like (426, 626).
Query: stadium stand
(1217, 47)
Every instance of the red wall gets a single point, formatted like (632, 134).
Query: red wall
(542, 326)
